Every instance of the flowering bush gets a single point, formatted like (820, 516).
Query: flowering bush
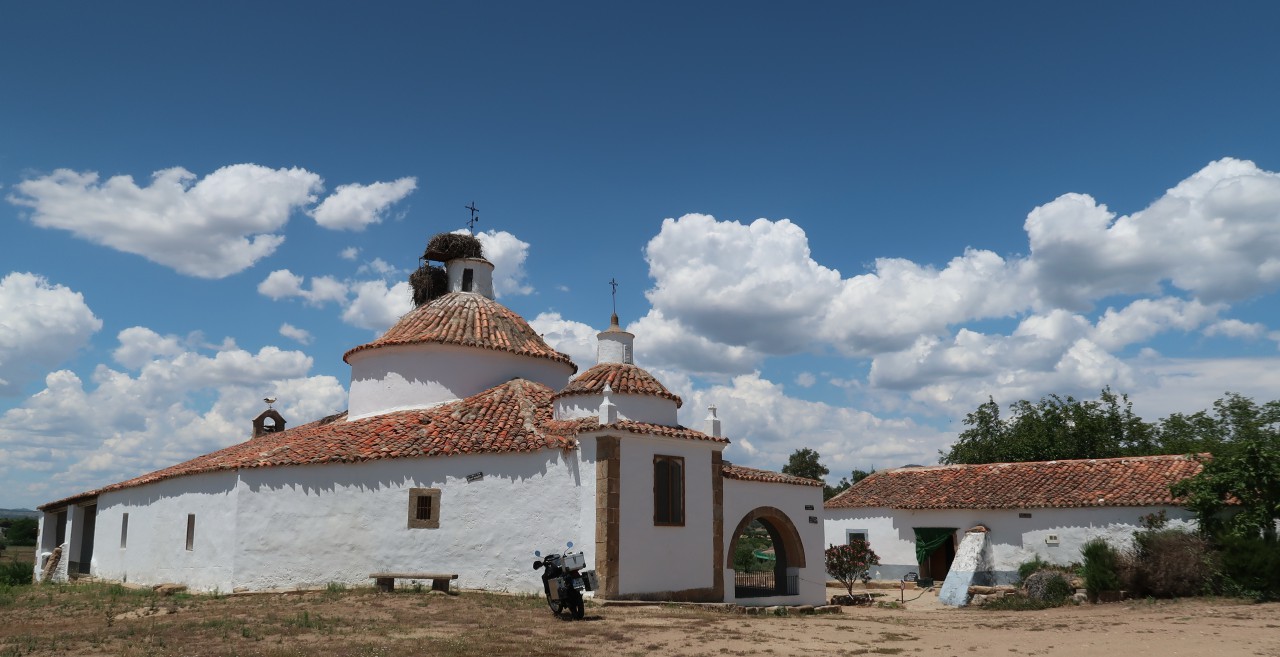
(850, 563)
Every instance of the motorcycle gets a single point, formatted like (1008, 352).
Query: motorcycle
(564, 580)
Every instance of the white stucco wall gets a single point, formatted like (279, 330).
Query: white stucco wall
(639, 408)
(661, 558)
(156, 548)
(403, 377)
(1013, 540)
(310, 525)
(742, 497)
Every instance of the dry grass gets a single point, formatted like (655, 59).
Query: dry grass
(103, 619)
(110, 619)
(18, 553)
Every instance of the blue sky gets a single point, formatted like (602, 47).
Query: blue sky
(844, 224)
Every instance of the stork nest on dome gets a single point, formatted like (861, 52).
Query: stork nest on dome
(447, 246)
(428, 282)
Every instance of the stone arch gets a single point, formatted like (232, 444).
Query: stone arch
(788, 548)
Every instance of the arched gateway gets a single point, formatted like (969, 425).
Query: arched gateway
(788, 555)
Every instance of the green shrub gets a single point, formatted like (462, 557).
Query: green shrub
(1250, 567)
(1099, 569)
(1030, 567)
(1048, 586)
(15, 573)
(849, 563)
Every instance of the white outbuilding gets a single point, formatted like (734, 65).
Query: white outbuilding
(915, 518)
(467, 444)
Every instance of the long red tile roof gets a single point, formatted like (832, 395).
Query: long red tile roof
(513, 417)
(620, 377)
(470, 320)
(751, 474)
(1130, 481)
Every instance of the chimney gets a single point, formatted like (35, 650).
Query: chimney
(712, 423)
(608, 410)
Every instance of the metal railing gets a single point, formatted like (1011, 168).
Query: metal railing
(764, 584)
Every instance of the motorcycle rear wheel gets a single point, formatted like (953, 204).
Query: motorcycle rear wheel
(576, 607)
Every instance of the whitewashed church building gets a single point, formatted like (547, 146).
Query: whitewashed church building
(467, 444)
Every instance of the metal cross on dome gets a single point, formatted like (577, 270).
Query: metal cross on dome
(613, 283)
(471, 223)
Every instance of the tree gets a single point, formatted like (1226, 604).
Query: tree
(805, 462)
(1243, 475)
(850, 563)
(22, 531)
(845, 483)
(1055, 428)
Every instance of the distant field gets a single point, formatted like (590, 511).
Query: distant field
(22, 553)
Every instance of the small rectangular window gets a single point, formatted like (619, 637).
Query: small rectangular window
(191, 531)
(668, 490)
(124, 530)
(855, 534)
(468, 280)
(424, 508)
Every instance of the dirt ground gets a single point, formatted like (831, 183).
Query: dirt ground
(108, 620)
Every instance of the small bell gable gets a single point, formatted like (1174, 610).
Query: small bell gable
(270, 421)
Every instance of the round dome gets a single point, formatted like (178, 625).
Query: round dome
(469, 320)
(623, 378)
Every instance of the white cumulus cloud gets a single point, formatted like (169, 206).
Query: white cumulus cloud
(157, 411)
(356, 206)
(507, 253)
(282, 284)
(376, 306)
(41, 325)
(299, 335)
(208, 227)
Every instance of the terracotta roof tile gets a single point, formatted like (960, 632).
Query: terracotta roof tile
(590, 424)
(621, 377)
(513, 417)
(470, 320)
(751, 474)
(1131, 481)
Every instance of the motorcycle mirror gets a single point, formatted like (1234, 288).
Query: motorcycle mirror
(570, 543)
(537, 553)
(537, 565)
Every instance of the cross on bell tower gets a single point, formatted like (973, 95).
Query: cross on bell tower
(471, 223)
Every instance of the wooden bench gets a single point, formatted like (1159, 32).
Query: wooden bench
(439, 581)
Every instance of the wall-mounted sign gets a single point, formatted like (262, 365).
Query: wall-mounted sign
(813, 520)
(808, 507)
(472, 478)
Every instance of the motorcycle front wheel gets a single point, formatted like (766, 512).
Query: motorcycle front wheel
(555, 605)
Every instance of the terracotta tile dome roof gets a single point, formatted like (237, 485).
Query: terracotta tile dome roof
(469, 320)
(622, 378)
